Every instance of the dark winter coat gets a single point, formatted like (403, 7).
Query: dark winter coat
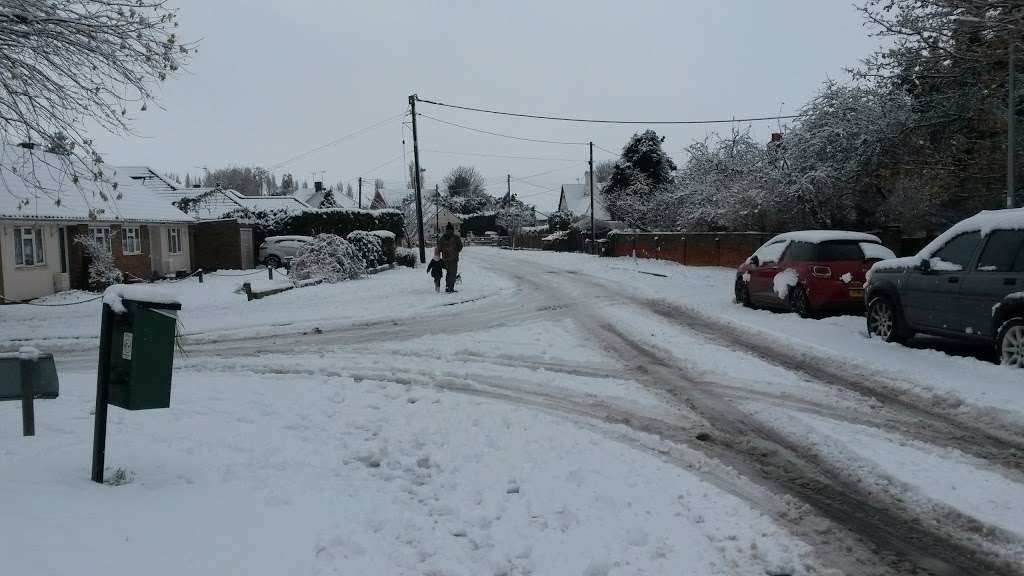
(450, 245)
(435, 268)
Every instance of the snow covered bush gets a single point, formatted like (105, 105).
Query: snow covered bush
(369, 246)
(102, 270)
(329, 258)
(405, 257)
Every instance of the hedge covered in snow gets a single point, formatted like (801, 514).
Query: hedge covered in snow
(337, 221)
(369, 247)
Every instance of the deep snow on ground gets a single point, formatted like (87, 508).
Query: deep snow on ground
(376, 427)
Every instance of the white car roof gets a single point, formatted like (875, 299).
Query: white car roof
(819, 236)
(280, 238)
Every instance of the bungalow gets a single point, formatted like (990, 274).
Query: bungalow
(390, 198)
(44, 209)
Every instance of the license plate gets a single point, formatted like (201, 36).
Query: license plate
(858, 294)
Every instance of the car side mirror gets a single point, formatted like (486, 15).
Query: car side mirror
(755, 261)
(925, 266)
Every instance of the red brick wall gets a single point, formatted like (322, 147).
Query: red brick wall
(216, 245)
(695, 249)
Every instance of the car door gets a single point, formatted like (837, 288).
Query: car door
(932, 297)
(989, 281)
(762, 276)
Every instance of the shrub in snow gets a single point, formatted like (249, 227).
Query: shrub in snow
(102, 270)
(329, 258)
(405, 257)
(388, 242)
(369, 247)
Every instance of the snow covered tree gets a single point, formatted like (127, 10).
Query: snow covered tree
(328, 257)
(287, 183)
(641, 172)
(248, 181)
(560, 221)
(466, 191)
(69, 64)
(603, 170)
(328, 201)
(103, 272)
(513, 215)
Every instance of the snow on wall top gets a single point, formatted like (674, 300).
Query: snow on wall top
(819, 236)
(48, 192)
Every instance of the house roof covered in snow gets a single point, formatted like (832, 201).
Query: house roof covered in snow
(389, 197)
(214, 203)
(35, 185)
(576, 199)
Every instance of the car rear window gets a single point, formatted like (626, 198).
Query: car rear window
(771, 252)
(801, 252)
(839, 250)
(874, 251)
(1001, 250)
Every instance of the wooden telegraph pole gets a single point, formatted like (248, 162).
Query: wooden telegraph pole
(419, 197)
(360, 192)
(593, 232)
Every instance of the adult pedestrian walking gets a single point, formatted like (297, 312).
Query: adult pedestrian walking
(450, 244)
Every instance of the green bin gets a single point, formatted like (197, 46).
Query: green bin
(142, 355)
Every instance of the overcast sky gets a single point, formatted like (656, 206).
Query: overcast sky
(275, 79)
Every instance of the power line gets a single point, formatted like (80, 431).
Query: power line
(522, 138)
(501, 156)
(596, 121)
(335, 141)
(606, 150)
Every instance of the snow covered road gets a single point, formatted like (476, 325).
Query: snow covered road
(560, 415)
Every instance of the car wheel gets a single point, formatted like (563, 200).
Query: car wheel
(800, 303)
(885, 320)
(1011, 343)
(742, 291)
(272, 261)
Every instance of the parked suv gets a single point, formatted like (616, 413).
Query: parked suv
(810, 272)
(965, 284)
(278, 250)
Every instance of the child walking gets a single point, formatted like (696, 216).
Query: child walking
(436, 269)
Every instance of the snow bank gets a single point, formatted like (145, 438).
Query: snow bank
(114, 295)
(785, 280)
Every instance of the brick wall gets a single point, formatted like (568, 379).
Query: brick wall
(728, 249)
(216, 245)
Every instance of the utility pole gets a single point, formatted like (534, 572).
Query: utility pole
(508, 211)
(360, 192)
(416, 158)
(1011, 118)
(437, 210)
(593, 232)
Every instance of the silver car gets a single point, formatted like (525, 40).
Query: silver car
(278, 250)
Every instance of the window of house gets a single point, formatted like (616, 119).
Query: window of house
(28, 247)
(101, 234)
(131, 240)
(174, 241)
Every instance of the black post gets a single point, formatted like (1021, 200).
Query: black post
(28, 412)
(270, 272)
(360, 192)
(593, 232)
(419, 197)
(99, 437)
(200, 275)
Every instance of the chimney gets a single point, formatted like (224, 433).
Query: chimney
(28, 145)
(776, 137)
(318, 186)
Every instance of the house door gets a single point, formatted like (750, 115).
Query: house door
(245, 238)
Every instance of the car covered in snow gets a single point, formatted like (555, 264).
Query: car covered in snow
(811, 272)
(968, 284)
(275, 251)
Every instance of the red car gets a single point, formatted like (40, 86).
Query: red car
(812, 272)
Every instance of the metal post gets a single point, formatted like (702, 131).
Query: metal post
(419, 197)
(270, 272)
(200, 275)
(1011, 118)
(28, 413)
(99, 437)
(360, 192)
(593, 232)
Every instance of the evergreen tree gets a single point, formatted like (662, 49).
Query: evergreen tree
(640, 173)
